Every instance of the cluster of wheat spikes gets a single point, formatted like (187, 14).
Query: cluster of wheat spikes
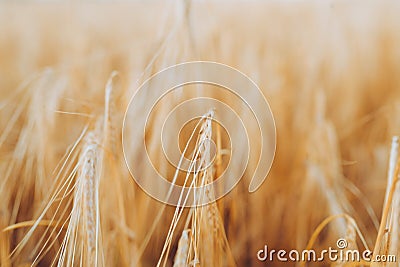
(331, 73)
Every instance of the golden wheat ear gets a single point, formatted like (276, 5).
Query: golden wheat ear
(198, 157)
(182, 253)
(83, 240)
(74, 206)
(205, 241)
(388, 240)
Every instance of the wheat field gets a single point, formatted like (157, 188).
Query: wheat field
(330, 71)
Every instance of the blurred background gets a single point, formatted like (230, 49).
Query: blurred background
(329, 69)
